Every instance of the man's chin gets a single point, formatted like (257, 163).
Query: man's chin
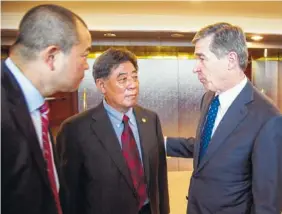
(131, 104)
(73, 87)
(208, 87)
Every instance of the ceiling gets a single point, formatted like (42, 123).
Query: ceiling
(186, 16)
(255, 9)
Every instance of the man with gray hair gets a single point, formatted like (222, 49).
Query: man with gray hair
(49, 56)
(113, 154)
(238, 143)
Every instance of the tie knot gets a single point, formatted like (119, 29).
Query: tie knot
(125, 119)
(44, 109)
(215, 101)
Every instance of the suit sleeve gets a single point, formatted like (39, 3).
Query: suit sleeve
(162, 178)
(70, 163)
(180, 147)
(267, 169)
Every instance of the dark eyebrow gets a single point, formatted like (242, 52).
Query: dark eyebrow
(200, 55)
(123, 73)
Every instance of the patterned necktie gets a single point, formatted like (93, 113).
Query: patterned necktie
(44, 110)
(209, 124)
(131, 155)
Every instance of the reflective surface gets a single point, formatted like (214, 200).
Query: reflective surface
(267, 77)
(167, 86)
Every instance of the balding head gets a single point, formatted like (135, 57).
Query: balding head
(46, 25)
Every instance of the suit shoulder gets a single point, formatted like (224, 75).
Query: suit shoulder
(264, 104)
(146, 111)
(79, 118)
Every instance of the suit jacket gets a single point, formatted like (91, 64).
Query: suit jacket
(96, 172)
(241, 171)
(24, 179)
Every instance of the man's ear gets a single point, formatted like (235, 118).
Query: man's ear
(233, 60)
(49, 54)
(100, 83)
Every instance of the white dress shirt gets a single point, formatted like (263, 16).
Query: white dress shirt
(226, 99)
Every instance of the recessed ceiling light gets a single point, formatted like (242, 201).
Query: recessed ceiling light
(177, 35)
(256, 37)
(110, 35)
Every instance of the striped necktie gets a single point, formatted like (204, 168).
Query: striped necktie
(44, 110)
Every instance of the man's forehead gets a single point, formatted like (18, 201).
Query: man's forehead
(204, 42)
(124, 68)
(202, 46)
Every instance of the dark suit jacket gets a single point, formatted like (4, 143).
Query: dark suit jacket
(96, 173)
(241, 173)
(24, 180)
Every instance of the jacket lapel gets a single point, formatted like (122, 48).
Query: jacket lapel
(145, 140)
(204, 109)
(232, 118)
(104, 130)
(24, 122)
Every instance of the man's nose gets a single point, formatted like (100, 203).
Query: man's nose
(196, 68)
(132, 83)
(86, 66)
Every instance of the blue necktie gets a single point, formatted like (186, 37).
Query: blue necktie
(207, 131)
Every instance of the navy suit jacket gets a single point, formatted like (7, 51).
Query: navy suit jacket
(24, 179)
(241, 172)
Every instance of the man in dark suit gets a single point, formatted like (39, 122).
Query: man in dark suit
(112, 155)
(47, 57)
(238, 143)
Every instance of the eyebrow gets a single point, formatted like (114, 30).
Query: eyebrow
(199, 54)
(124, 73)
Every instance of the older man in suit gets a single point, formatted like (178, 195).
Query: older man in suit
(113, 155)
(238, 143)
(47, 57)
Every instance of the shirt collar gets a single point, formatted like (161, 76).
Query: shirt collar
(118, 116)
(32, 96)
(226, 98)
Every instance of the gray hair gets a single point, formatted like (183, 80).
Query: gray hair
(110, 60)
(47, 25)
(225, 39)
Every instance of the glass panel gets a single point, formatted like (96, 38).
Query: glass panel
(88, 94)
(159, 91)
(267, 77)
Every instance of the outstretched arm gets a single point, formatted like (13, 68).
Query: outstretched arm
(180, 147)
